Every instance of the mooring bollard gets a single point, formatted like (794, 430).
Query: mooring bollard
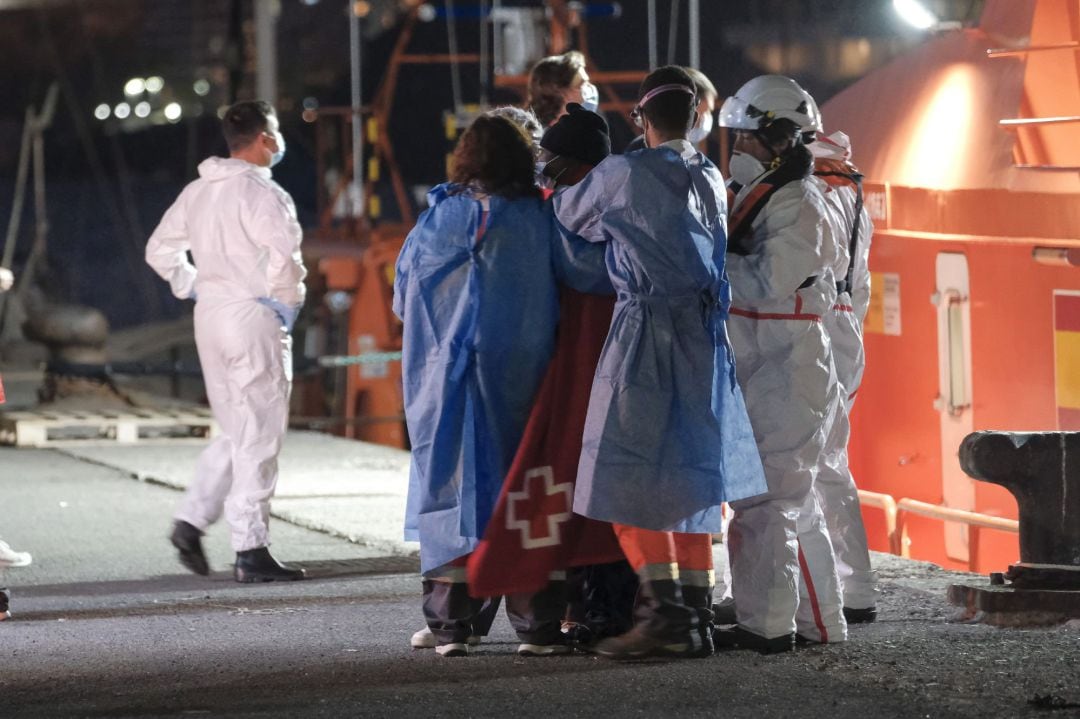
(1042, 471)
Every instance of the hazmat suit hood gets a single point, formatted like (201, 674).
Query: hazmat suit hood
(222, 168)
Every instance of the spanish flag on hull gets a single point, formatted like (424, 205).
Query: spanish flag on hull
(1067, 358)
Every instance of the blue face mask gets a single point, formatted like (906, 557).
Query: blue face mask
(280, 154)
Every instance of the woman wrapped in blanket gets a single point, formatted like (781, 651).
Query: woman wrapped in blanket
(477, 291)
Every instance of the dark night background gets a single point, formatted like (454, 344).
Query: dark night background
(109, 182)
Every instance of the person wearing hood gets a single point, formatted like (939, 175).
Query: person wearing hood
(247, 276)
(781, 259)
(835, 485)
(667, 439)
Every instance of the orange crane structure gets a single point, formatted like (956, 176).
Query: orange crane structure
(354, 248)
(970, 146)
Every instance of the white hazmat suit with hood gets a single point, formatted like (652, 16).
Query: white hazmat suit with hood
(241, 230)
(783, 573)
(835, 485)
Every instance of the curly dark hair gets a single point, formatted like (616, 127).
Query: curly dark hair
(549, 78)
(494, 156)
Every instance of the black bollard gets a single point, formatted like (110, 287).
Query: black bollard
(1042, 471)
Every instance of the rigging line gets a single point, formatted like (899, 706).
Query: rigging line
(109, 201)
(693, 10)
(673, 32)
(497, 40)
(451, 41)
(127, 208)
(484, 72)
(652, 35)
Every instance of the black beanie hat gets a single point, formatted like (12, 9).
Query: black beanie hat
(579, 134)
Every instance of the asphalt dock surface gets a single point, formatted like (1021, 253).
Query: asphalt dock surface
(107, 624)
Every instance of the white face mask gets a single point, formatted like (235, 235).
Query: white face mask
(701, 131)
(745, 168)
(590, 97)
(280, 154)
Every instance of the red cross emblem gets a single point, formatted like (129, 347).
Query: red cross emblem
(540, 499)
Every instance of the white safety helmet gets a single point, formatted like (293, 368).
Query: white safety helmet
(768, 98)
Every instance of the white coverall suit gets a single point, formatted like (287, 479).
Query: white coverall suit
(779, 540)
(241, 229)
(835, 485)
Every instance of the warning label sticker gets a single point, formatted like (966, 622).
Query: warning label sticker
(883, 315)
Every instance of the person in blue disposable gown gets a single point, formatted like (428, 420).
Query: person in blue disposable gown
(477, 290)
(667, 437)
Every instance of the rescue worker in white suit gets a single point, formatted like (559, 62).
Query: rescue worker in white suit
(781, 258)
(835, 485)
(241, 230)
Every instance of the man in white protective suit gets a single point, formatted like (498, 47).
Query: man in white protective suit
(241, 230)
(834, 484)
(782, 254)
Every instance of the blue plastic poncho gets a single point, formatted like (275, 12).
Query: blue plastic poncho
(479, 324)
(667, 437)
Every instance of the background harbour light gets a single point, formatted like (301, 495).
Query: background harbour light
(914, 13)
(135, 86)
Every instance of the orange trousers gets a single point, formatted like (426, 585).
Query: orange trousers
(668, 555)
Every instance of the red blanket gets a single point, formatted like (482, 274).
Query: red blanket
(533, 530)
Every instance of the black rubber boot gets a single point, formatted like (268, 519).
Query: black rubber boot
(257, 565)
(699, 599)
(188, 542)
(739, 638)
(860, 616)
(662, 629)
(724, 611)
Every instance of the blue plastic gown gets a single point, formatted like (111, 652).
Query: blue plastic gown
(479, 326)
(667, 438)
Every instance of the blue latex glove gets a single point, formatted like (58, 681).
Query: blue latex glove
(287, 314)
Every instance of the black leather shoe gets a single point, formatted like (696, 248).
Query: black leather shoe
(188, 541)
(738, 638)
(257, 565)
(860, 616)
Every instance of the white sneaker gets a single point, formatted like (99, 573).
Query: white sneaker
(10, 558)
(455, 649)
(542, 650)
(424, 639)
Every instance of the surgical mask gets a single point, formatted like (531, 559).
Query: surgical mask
(280, 154)
(745, 168)
(701, 131)
(590, 97)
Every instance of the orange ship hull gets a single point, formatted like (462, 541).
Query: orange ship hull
(971, 150)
